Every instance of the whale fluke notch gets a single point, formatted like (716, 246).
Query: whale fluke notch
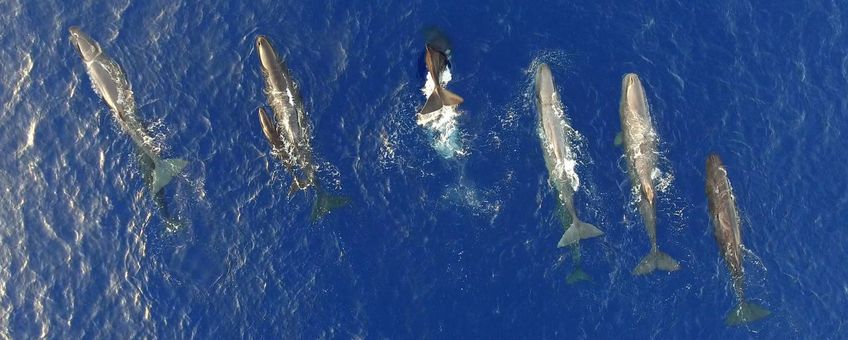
(656, 260)
(578, 230)
(324, 203)
(577, 276)
(439, 98)
(164, 170)
(746, 312)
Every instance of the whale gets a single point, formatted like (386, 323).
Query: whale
(728, 236)
(436, 58)
(289, 132)
(110, 83)
(639, 139)
(560, 159)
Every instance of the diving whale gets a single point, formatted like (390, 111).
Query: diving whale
(725, 217)
(111, 84)
(559, 157)
(639, 140)
(290, 132)
(437, 61)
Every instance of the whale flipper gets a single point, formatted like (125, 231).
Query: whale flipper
(746, 312)
(656, 260)
(164, 170)
(578, 230)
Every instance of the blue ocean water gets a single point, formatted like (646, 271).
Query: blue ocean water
(462, 246)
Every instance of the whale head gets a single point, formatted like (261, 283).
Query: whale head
(713, 161)
(267, 55)
(544, 84)
(634, 94)
(633, 87)
(631, 79)
(87, 48)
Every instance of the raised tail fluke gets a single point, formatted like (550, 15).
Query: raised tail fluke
(434, 103)
(578, 230)
(325, 203)
(656, 260)
(164, 170)
(449, 98)
(746, 312)
(576, 276)
(439, 98)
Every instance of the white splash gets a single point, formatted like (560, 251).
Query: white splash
(568, 166)
(290, 96)
(387, 149)
(23, 80)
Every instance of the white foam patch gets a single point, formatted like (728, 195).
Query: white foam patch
(479, 202)
(662, 179)
(568, 166)
(23, 80)
(290, 96)
(442, 123)
(387, 149)
(30, 140)
(329, 175)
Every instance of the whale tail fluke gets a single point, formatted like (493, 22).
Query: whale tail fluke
(578, 230)
(656, 260)
(449, 98)
(439, 98)
(325, 203)
(746, 312)
(164, 170)
(577, 276)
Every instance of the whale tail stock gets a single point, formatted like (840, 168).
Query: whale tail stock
(746, 312)
(578, 230)
(164, 170)
(656, 260)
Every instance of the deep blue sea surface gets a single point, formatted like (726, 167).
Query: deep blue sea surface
(436, 244)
